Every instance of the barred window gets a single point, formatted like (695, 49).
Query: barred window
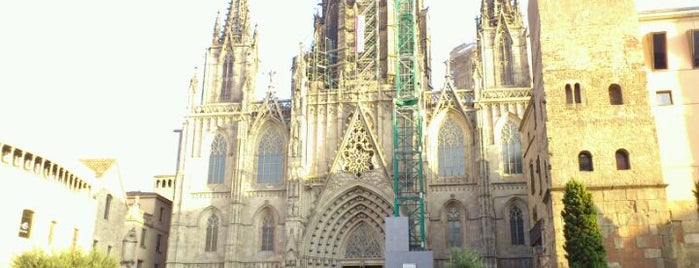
(451, 151)
(217, 160)
(511, 149)
(269, 158)
(211, 233)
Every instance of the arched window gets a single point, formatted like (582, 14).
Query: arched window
(267, 240)
(622, 160)
(451, 151)
(217, 160)
(211, 233)
(569, 94)
(585, 161)
(615, 97)
(453, 227)
(516, 226)
(505, 57)
(578, 95)
(269, 158)
(226, 78)
(362, 243)
(511, 150)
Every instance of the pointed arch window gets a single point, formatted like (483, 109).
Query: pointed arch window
(211, 233)
(585, 161)
(451, 150)
(217, 160)
(511, 149)
(622, 160)
(362, 244)
(516, 226)
(454, 236)
(267, 237)
(269, 158)
(226, 78)
(505, 58)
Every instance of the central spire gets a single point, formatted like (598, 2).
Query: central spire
(237, 26)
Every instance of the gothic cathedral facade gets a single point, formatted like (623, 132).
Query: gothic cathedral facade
(307, 182)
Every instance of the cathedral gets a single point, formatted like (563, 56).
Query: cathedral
(307, 182)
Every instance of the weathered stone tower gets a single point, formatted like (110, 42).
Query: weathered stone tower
(589, 120)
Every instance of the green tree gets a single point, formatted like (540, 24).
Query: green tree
(69, 258)
(464, 258)
(583, 245)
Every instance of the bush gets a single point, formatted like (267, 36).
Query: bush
(69, 258)
(464, 258)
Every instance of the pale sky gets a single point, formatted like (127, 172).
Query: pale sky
(91, 78)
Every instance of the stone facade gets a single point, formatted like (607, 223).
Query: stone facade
(590, 119)
(146, 230)
(307, 182)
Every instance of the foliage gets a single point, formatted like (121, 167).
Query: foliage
(583, 239)
(696, 193)
(37, 258)
(464, 258)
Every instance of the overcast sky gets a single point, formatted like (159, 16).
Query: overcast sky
(94, 78)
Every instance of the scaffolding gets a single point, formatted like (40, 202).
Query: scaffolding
(407, 129)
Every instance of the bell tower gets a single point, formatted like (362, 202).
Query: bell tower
(232, 60)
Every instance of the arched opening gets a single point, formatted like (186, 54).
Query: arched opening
(615, 97)
(622, 160)
(585, 161)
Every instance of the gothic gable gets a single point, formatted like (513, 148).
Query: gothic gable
(358, 152)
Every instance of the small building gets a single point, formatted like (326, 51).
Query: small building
(146, 230)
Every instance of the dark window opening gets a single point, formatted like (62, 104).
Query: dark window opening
(622, 160)
(695, 48)
(569, 94)
(615, 97)
(585, 161)
(578, 95)
(659, 51)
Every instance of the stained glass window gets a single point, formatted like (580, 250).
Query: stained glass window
(451, 151)
(268, 232)
(269, 158)
(217, 160)
(516, 226)
(511, 150)
(453, 227)
(211, 233)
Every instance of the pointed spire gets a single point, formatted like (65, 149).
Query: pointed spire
(217, 29)
(237, 21)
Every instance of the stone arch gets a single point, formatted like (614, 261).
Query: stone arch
(330, 227)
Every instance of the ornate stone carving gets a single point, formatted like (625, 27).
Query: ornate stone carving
(362, 243)
(358, 151)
